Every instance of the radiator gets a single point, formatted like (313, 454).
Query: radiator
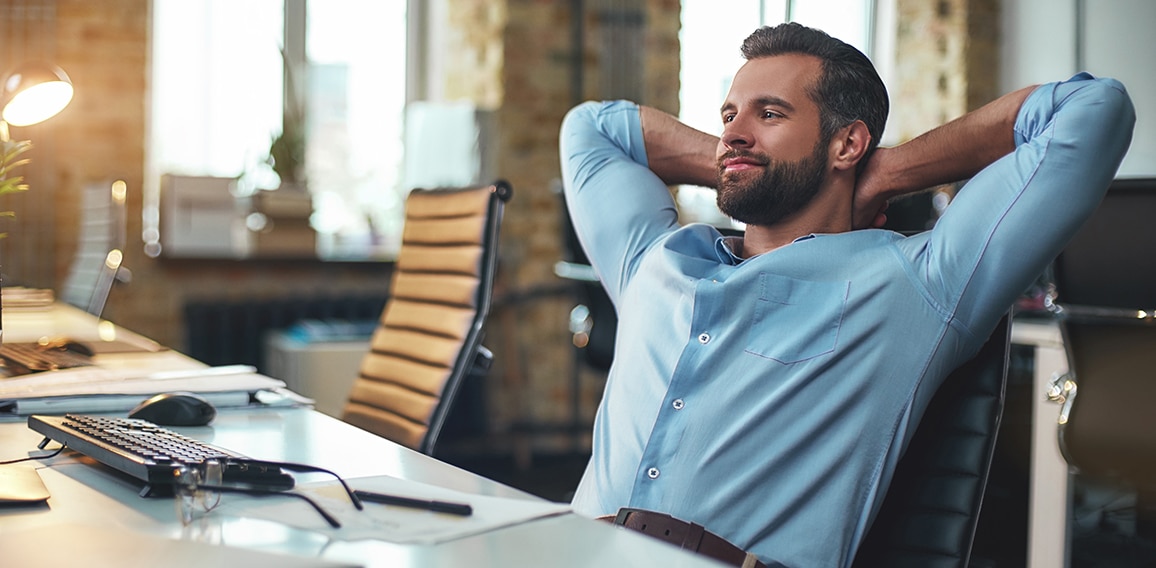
(231, 332)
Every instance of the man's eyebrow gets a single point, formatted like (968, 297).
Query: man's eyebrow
(769, 100)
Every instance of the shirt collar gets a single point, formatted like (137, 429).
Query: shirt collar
(725, 248)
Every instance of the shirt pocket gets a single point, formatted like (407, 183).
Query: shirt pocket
(796, 320)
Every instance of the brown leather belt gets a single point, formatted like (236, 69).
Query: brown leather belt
(689, 536)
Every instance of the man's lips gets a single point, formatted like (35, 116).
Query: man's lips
(738, 164)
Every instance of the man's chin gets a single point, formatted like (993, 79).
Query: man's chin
(737, 177)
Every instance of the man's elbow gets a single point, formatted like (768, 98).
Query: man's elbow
(1112, 104)
(580, 114)
(1100, 119)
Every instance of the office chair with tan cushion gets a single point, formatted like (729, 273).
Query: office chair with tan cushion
(929, 515)
(429, 336)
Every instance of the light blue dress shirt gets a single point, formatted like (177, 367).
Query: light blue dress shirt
(769, 399)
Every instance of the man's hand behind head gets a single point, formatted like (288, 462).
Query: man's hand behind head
(872, 191)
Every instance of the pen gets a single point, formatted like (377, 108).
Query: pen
(460, 509)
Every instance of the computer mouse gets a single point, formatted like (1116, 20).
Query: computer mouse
(175, 409)
(78, 347)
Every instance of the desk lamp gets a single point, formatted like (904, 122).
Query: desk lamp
(32, 93)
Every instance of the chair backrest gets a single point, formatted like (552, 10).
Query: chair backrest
(1105, 284)
(429, 335)
(100, 248)
(929, 515)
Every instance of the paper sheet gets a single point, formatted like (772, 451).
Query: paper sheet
(96, 380)
(96, 389)
(391, 523)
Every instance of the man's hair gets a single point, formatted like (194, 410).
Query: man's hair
(849, 87)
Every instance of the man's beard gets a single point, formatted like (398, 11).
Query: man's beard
(781, 190)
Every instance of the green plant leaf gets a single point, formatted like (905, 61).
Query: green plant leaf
(9, 151)
(5, 168)
(12, 185)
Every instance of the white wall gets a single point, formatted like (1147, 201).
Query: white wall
(1121, 43)
(1042, 42)
(1038, 42)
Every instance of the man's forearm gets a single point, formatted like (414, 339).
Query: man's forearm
(952, 152)
(677, 153)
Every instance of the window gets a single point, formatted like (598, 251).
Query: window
(710, 41)
(216, 85)
(356, 93)
(217, 104)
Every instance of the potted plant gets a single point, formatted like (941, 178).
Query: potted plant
(287, 151)
(10, 151)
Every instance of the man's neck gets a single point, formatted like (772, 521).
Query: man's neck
(829, 212)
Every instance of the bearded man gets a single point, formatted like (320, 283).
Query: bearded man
(765, 386)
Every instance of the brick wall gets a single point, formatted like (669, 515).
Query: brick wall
(947, 62)
(947, 65)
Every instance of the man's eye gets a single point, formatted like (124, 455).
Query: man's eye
(771, 114)
(728, 118)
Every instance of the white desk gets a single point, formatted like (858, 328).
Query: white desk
(1048, 513)
(94, 496)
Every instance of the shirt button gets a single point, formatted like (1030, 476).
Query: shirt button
(704, 338)
(652, 473)
(678, 404)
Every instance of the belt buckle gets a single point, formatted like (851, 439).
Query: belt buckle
(624, 512)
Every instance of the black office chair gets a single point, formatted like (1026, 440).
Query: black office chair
(1105, 301)
(930, 512)
(428, 341)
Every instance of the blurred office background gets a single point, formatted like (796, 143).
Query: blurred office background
(234, 260)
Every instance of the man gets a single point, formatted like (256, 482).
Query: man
(765, 386)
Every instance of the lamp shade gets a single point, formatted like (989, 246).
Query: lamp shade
(34, 92)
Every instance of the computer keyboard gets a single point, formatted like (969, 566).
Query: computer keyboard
(21, 358)
(149, 452)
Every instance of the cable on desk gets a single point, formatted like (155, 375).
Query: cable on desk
(30, 458)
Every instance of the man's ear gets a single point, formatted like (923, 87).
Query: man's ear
(849, 145)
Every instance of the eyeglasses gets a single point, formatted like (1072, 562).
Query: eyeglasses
(197, 488)
(188, 487)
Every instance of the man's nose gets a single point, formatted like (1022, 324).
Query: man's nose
(735, 135)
